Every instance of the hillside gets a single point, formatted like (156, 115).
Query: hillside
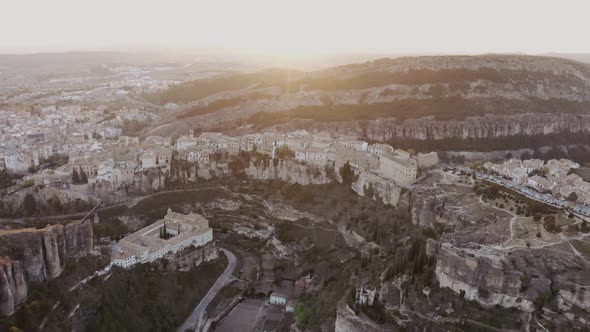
(445, 88)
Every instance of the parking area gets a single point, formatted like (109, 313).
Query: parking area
(242, 318)
(536, 195)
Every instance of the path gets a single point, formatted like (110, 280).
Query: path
(223, 279)
(577, 253)
(514, 216)
(44, 321)
(132, 202)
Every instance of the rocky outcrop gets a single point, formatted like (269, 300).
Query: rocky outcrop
(578, 296)
(13, 287)
(194, 256)
(425, 206)
(348, 321)
(384, 190)
(46, 200)
(484, 275)
(490, 126)
(287, 170)
(36, 255)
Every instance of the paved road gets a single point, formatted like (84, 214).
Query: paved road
(192, 320)
(577, 208)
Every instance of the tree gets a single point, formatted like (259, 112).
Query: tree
(573, 197)
(369, 191)
(83, 177)
(525, 155)
(302, 314)
(75, 176)
(29, 205)
(346, 173)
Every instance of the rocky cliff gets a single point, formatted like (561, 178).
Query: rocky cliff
(476, 127)
(48, 200)
(348, 321)
(484, 275)
(34, 255)
(191, 257)
(378, 188)
(287, 170)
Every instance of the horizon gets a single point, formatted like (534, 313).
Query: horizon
(298, 29)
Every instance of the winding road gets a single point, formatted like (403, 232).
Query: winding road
(191, 322)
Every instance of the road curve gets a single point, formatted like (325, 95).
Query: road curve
(191, 321)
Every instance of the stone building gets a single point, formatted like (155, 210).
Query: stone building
(365, 296)
(402, 171)
(147, 245)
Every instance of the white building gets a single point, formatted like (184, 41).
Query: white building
(117, 173)
(184, 142)
(147, 245)
(352, 145)
(316, 156)
(18, 161)
(278, 298)
(379, 149)
(401, 171)
(365, 296)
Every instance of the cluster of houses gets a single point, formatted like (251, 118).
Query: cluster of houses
(92, 143)
(383, 161)
(554, 176)
(28, 138)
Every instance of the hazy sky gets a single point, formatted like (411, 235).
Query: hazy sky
(302, 26)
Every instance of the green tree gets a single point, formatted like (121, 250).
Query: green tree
(83, 177)
(29, 205)
(346, 173)
(573, 197)
(75, 176)
(302, 313)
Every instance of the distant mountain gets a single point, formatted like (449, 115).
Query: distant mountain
(582, 57)
(387, 97)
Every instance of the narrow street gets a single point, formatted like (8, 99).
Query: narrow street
(191, 322)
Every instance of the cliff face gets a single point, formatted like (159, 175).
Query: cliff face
(378, 188)
(484, 276)
(45, 200)
(492, 126)
(191, 257)
(13, 287)
(35, 255)
(287, 170)
(348, 321)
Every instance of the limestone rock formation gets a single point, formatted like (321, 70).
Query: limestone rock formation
(287, 170)
(195, 256)
(484, 276)
(348, 321)
(34, 255)
(377, 187)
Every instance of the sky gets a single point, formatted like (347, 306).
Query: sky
(298, 27)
